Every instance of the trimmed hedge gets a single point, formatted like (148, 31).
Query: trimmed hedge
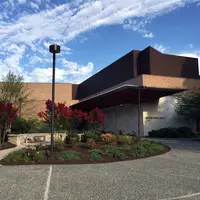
(181, 132)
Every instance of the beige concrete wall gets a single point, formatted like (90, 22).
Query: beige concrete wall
(124, 118)
(154, 115)
(40, 92)
(169, 82)
(161, 114)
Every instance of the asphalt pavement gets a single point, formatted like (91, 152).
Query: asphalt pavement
(174, 175)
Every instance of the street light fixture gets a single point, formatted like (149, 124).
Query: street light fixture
(53, 49)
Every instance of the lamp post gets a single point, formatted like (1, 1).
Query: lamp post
(53, 49)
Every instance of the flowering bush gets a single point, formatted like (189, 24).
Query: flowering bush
(7, 116)
(67, 119)
(95, 118)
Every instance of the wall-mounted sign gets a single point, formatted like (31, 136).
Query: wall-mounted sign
(154, 117)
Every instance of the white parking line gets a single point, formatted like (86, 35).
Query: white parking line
(183, 197)
(48, 184)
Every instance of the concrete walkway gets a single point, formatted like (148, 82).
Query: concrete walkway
(5, 152)
(171, 176)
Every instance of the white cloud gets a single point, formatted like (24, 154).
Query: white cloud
(34, 5)
(137, 25)
(148, 35)
(34, 31)
(14, 54)
(193, 54)
(82, 40)
(35, 60)
(65, 22)
(38, 1)
(160, 48)
(72, 72)
(21, 1)
(44, 75)
(74, 68)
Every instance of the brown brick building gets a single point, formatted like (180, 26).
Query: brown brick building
(115, 90)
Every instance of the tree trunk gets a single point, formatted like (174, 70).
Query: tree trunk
(3, 133)
(0, 134)
(70, 130)
(4, 136)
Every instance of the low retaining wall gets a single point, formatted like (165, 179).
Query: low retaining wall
(18, 139)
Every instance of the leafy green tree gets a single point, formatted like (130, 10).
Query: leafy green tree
(14, 90)
(188, 104)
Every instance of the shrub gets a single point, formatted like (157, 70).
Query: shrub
(44, 128)
(90, 143)
(121, 132)
(151, 145)
(136, 138)
(74, 138)
(83, 145)
(109, 138)
(125, 148)
(124, 139)
(141, 152)
(172, 132)
(69, 155)
(127, 139)
(20, 126)
(39, 155)
(185, 132)
(14, 156)
(146, 148)
(58, 145)
(23, 155)
(31, 125)
(95, 154)
(92, 134)
(113, 151)
(37, 126)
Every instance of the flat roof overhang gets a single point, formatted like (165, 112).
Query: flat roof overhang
(124, 94)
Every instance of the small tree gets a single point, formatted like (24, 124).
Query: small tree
(64, 118)
(67, 119)
(95, 119)
(188, 104)
(14, 90)
(7, 116)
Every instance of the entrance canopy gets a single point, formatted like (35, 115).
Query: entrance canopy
(124, 94)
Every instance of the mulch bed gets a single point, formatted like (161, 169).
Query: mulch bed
(83, 157)
(7, 146)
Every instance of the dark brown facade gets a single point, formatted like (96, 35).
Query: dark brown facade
(135, 63)
(151, 61)
(119, 71)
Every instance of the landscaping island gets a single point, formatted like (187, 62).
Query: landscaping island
(91, 145)
(91, 148)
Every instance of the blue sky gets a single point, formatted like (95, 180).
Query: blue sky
(92, 34)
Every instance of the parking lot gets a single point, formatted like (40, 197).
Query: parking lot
(175, 175)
